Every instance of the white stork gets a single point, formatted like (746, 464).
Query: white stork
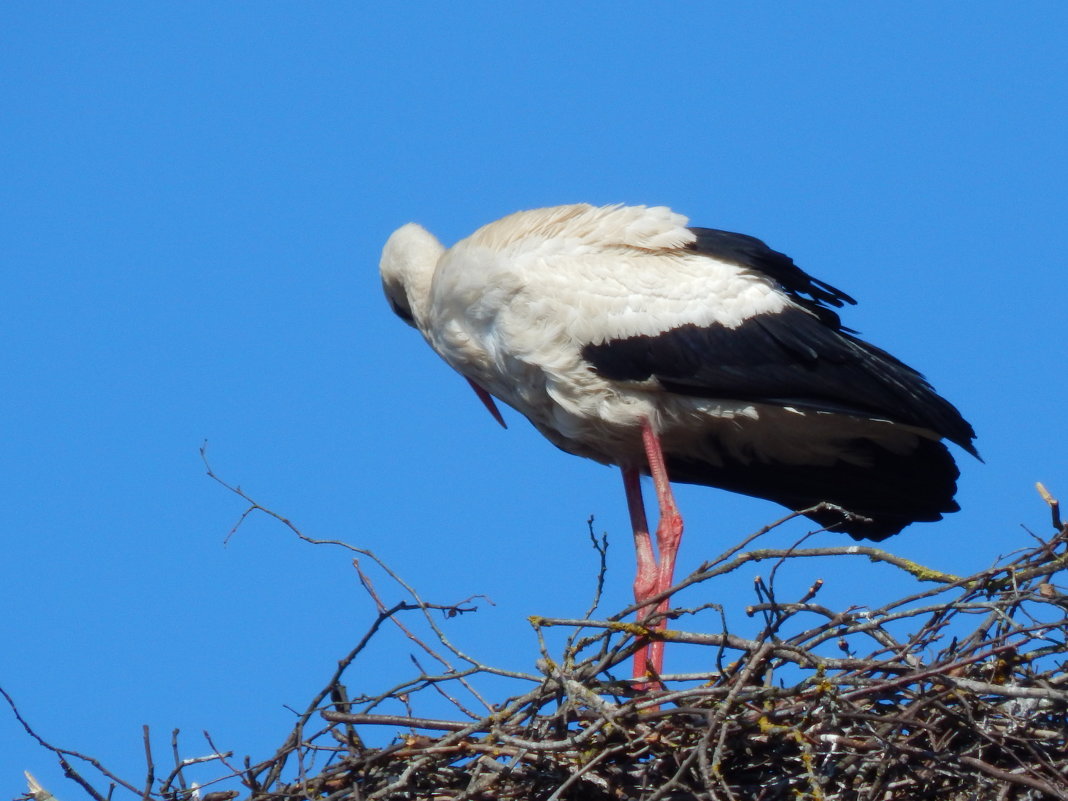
(690, 354)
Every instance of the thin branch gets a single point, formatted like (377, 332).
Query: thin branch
(955, 691)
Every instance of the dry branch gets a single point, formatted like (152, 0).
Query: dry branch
(971, 702)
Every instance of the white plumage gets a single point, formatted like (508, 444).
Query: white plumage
(623, 334)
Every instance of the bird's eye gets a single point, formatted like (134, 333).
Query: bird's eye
(403, 311)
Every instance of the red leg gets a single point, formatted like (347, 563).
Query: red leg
(669, 528)
(653, 576)
(668, 533)
(648, 574)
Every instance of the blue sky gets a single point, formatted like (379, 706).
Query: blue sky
(194, 200)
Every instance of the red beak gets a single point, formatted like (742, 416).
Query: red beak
(488, 402)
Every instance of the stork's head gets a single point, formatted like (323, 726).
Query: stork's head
(408, 262)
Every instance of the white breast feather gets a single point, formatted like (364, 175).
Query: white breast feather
(512, 306)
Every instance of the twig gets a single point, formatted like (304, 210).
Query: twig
(954, 691)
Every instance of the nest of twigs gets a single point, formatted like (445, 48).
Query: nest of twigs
(958, 691)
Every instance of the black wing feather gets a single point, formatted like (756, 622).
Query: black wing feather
(750, 252)
(892, 491)
(800, 356)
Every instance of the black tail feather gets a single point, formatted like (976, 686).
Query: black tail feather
(891, 489)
